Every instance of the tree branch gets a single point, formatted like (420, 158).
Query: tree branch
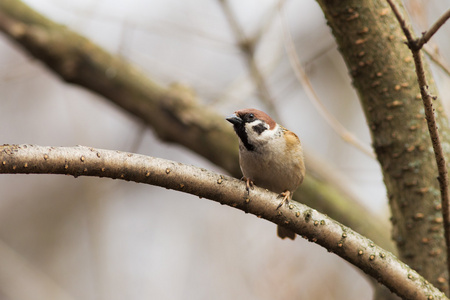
(415, 47)
(316, 227)
(426, 36)
(247, 47)
(303, 79)
(437, 59)
(383, 73)
(174, 113)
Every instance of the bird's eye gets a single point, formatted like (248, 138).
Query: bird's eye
(251, 116)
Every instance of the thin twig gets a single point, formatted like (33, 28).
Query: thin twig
(426, 36)
(437, 59)
(22, 272)
(415, 47)
(311, 224)
(247, 47)
(300, 73)
(268, 22)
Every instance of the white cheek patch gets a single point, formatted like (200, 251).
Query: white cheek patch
(259, 132)
(252, 127)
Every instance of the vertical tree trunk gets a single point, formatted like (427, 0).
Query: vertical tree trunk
(383, 73)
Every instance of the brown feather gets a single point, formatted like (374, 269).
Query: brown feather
(258, 114)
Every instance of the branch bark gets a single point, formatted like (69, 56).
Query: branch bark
(174, 113)
(426, 36)
(415, 45)
(383, 73)
(316, 227)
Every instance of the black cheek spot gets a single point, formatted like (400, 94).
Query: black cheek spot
(260, 128)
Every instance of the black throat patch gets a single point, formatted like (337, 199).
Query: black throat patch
(240, 131)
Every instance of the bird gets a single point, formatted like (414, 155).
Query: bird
(270, 156)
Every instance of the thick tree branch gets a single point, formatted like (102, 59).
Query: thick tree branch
(427, 99)
(383, 73)
(173, 113)
(316, 227)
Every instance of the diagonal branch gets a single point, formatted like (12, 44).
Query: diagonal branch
(247, 47)
(433, 29)
(437, 59)
(316, 227)
(174, 113)
(415, 46)
(300, 73)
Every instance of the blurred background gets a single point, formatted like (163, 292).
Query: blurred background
(89, 238)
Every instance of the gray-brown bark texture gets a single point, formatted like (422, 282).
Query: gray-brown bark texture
(383, 73)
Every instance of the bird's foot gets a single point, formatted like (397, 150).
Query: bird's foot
(286, 196)
(249, 184)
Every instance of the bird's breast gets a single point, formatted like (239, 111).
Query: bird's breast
(272, 168)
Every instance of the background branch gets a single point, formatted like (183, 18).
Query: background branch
(316, 227)
(426, 36)
(416, 46)
(300, 74)
(383, 74)
(247, 46)
(437, 59)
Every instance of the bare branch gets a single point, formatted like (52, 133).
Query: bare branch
(413, 43)
(247, 47)
(174, 113)
(401, 20)
(427, 99)
(268, 21)
(300, 73)
(437, 59)
(316, 227)
(433, 29)
(23, 272)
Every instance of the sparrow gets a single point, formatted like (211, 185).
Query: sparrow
(270, 156)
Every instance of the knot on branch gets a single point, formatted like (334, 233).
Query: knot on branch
(247, 46)
(414, 44)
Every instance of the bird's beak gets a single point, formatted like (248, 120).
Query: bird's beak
(234, 119)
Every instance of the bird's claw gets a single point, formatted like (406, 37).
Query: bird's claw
(248, 183)
(286, 195)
